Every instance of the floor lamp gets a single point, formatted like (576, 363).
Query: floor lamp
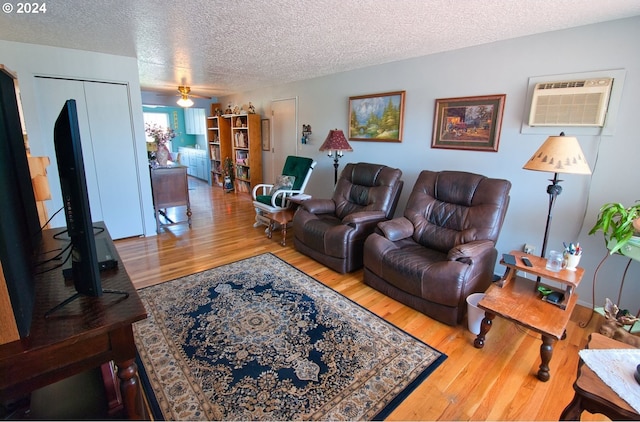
(558, 154)
(336, 144)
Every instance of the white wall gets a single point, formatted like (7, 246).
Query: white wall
(28, 60)
(502, 67)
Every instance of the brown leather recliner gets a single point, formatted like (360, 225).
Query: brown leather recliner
(443, 249)
(333, 231)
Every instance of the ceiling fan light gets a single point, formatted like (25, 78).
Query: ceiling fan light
(185, 101)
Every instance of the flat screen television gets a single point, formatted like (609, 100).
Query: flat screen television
(19, 222)
(75, 198)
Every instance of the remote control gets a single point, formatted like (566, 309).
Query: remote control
(526, 261)
(509, 259)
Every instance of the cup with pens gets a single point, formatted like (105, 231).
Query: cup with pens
(572, 255)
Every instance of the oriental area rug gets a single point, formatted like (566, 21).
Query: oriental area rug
(258, 339)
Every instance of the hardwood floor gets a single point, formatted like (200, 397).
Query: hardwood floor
(495, 383)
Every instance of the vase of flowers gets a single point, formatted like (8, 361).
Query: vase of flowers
(161, 136)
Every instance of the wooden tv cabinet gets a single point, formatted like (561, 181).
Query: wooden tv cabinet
(83, 334)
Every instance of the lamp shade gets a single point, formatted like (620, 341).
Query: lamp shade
(336, 142)
(185, 101)
(559, 154)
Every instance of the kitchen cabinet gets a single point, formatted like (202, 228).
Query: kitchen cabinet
(195, 121)
(196, 161)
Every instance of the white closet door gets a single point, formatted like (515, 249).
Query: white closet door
(107, 148)
(52, 94)
(114, 158)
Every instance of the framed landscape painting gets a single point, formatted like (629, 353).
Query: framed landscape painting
(471, 123)
(376, 117)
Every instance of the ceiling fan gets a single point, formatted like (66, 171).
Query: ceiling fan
(185, 94)
(184, 100)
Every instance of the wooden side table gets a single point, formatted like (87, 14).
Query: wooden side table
(517, 300)
(283, 218)
(170, 188)
(592, 394)
(570, 279)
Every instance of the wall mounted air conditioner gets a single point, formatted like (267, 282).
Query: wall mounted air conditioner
(570, 103)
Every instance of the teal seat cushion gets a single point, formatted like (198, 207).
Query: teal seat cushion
(265, 199)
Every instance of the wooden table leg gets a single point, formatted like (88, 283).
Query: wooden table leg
(485, 326)
(284, 234)
(157, 215)
(130, 390)
(546, 351)
(270, 229)
(124, 349)
(573, 410)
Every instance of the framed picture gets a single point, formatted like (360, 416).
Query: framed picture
(265, 132)
(471, 123)
(376, 117)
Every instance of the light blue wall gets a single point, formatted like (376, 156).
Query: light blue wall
(497, 68)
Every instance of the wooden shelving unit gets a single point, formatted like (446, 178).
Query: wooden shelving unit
(247, 150)
(219, 139)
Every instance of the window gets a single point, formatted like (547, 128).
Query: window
(160, 119)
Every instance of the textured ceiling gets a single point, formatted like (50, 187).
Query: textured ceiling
(221, 47)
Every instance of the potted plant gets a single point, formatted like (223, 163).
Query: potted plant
(620, 225)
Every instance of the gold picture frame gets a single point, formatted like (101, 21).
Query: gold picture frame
(468, 123)
(265, 132)
(376, 117)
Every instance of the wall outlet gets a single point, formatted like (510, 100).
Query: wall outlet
(530, 249)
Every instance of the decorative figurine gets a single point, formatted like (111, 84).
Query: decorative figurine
(228, 110)
(252, 109)
(306, 131)
(615, 320)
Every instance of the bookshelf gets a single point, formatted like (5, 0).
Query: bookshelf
(246, 144)
(219, 139)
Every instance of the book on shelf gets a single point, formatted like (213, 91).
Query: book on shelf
(242, 172)
(215, 152)
(241, 140)
(242, 186)
(242, 157)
